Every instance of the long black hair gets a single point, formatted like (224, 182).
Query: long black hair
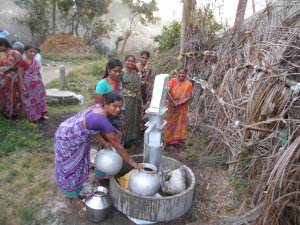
(183, 68)
(27, 47)
(5, 42)
(111, 97)
(145, 53)
(112, 63)
(129, 56)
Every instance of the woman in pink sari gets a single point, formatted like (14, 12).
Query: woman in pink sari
(32, 88)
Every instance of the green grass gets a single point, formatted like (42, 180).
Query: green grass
(198, 149)
(23, 157)
(87, 78)
(17, 134)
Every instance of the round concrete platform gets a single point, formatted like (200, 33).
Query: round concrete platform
(54, 93)
(149, 208)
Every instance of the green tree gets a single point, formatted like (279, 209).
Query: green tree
(97, 28)
(169, 37)
(203, 18)
(36, 16)
(82, 13)
(141, 12)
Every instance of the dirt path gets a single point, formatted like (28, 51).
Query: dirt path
(50, 73)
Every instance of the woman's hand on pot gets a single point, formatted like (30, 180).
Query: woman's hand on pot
(108, 145)
(139, 166)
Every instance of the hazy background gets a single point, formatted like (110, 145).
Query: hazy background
(169, 10)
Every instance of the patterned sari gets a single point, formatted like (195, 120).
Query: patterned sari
(72, 145)
(131, 85)
(145, 88)
(10, 99)
(176, 127)
(118, 124)
(145, 91)
(34, 105)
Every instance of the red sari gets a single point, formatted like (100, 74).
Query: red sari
(10, 97)
(176, 127)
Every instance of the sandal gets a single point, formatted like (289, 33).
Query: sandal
(76, 204)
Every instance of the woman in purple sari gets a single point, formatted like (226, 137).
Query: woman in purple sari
(72, 145)
(32, 88)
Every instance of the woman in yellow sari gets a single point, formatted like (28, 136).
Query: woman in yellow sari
(181, 91)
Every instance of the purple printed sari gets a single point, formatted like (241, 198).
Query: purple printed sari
(35, 105)
(72, 144)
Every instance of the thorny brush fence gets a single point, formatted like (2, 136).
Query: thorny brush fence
(242, 96)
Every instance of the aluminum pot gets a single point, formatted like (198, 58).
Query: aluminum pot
(144, 181)
(98, 204)
(108, 161)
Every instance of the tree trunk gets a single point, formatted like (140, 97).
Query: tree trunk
(76, 28)
(73, 21)
(240, 12)
(32, 35)
(184, 23)
(119, 39)
(125, 40)
(53, 14)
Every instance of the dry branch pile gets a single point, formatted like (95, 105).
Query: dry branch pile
(242, 96)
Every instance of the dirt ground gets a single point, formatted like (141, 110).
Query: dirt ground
(52, 72)
(214, 196)
(214, 199)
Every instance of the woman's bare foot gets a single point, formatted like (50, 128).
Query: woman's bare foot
(45, 117)
(97, 183)
(176, 148)
(132, 147)
(105, 177)
(80, 197)
(77, 203)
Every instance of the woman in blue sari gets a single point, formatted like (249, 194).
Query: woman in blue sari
(110, 82)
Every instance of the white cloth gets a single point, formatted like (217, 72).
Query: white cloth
(39, 59)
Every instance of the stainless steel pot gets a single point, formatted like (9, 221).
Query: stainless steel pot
(108, 161)
(144, 181)
(98, 204)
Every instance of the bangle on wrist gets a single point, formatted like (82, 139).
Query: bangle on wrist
(105, 143)
(24, 90)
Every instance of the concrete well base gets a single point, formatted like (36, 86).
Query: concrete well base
(152, 208)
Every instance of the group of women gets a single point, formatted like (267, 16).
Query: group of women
(21, 86)
(114, 121)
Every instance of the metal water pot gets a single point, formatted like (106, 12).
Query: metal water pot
(145, 181)
(108, 161)
(98, 204)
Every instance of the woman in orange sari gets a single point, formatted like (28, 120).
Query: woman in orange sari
(181, 91)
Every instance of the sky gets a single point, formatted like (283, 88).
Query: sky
(167, 10)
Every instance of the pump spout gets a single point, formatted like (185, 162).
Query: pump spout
(147, 133)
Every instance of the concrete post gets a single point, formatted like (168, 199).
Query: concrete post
(62, 73)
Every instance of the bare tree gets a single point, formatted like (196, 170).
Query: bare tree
(184, 24)
(240, 12)
(53, 14)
